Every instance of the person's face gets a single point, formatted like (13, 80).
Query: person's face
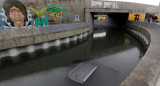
(16, 16)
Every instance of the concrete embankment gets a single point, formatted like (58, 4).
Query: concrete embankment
(11, 38)
(147, 70)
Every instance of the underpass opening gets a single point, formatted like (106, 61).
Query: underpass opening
(105, 20)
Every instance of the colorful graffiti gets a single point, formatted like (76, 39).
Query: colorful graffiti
(41, 20)
(15, 14)
(158, 17)
(76, 18)
(55, 12)
(1, 26)
(136, 16)
(58, 13)
(66, 11)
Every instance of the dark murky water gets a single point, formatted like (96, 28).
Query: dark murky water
(116, 55)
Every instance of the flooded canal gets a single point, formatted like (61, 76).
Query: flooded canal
(115, 53)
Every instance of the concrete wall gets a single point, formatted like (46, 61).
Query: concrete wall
(74, 7)
(80, 8)
(59, 24)
(147, 71)
(11, 38)
(117, 5)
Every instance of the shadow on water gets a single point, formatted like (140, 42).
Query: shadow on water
(116, 55)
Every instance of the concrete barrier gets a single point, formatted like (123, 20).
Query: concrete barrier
(12, 38)
(145, 73)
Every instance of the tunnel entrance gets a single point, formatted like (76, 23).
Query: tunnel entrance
(106, 20)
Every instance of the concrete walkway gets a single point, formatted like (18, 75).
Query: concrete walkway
(152, 26)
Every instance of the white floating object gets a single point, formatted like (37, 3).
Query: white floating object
(82, 72)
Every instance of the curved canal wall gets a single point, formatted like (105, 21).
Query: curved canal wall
(147, 70)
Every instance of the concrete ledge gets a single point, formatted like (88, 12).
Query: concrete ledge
(40, 38)
(26, 31)
(22, 41)
(21, 37)
(5, 44)
(5, 34)
(145, 72)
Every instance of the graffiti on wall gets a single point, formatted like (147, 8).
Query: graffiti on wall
(96, 4)
(76, 18)
(136, 16)
(1, 26)
(41, 20)
(65, 11)
(55, 12)
(15, 14)
(58, 13)
(110, 5)
(158, 15)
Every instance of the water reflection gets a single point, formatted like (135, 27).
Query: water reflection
(126, 41)
(116, 55)
(98, 35)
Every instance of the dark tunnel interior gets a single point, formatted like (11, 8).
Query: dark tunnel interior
(113, 20)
